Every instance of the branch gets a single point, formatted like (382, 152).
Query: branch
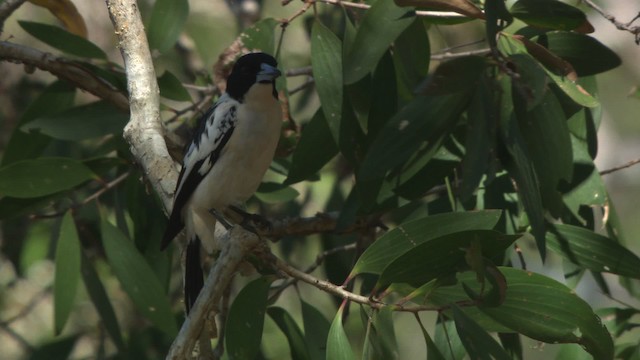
(144, 132)
(236, 243)
(353, 5)
(635, 30)
(7, 8)
(68, 70)
(623, 166)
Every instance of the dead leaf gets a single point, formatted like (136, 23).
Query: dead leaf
(67, 13)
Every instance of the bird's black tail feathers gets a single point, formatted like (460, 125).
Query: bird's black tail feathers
(193, 278)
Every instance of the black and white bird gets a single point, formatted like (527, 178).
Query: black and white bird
(231, 149)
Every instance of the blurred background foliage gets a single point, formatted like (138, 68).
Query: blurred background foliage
(421, 115)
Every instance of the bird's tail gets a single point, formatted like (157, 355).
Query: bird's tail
(193, 278)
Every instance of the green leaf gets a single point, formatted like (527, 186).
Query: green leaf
(576, 92)
(425, 120)
(67, 275)
(326, 62)
(171, 87)
(413, 233)
(246, 320)
(460, 74)
(167, 22)
(54, 98)
(80, 123)
(550, 14)
(11, 207)
(380, 342)
(42, 176)
(553, 157)
(307, 160)
(442, 256)
(593, 251)
(479, 344)
(532, 83)
(292, 331)
(546, 310)
(338, 347)
(63, 40)
(447, 340)
(433, 353)
(274, 193)
(100, 300)
(411, 52)
(60, 348)
(587, 55)
(380, 26)
(260, 36)
(316, 330)
(138, 279)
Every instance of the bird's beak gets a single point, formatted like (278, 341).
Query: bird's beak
(267, 73)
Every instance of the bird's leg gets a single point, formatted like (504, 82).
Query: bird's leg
(251, 221)
(220, 218)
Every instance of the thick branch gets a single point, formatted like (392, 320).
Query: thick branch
(64, 69)
(144, 132)
(7, 8)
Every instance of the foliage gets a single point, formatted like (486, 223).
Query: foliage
(473, 166)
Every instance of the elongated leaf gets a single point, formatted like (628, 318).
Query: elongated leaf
(100, 300)
(271, 192)
(433, 353)
(426, 120)
(326, 62)
(260, 36)
(292, 331)
(442, 255)
(83, 122)
(551, 14)
(67, 274)
(316, 330)
(453, 76)
(384, 99)
(307, 160)
(43, 176)
(447, 340)
(59, 348)
(546, 310)
(67, 13)
(167, 22)
(411, 57)
(532, 83)
(587, 55)
(246, 320)
(593, 251)
(479, 344)
(171, 87)
(464, 7)
(381, 339)
(63, 40)
(411, 234)
(138, 279)
(54, 98)
(338, 347)
(380, 26)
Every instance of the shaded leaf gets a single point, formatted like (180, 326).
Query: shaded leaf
(380, 342)
(166, 24)
(54, 98)
(442, 255)
(433, 353)
(63, 40)
(411, 52)
(479, 344)
(260, 36)
(246, 320)
(171, 87)
(408, 235)
(67, 13)
(532, 83)
(338, 347)
(587, 55)
(307, 160)
(292, 331)
(79, 123)
(56, 349)
(593, 251)
(42, 176)
(326, 62)
(138, 279)
(100, 300)
(11, 207)
(380, 26)
(271, 192)
(460, 74)
(316, 330)
(67, 275)
(551, 14)
(546, 310)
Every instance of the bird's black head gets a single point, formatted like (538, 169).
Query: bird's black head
(250, 69)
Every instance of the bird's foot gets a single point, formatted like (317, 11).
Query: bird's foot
(220, 218)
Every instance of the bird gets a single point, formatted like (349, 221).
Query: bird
(232, 147)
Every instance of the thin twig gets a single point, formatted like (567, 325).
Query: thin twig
(620, 167)
(635, 30)
(35, 300)
(308, 82)
(353, 5)
(449, 55)
(305, 70)
(7, 8)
